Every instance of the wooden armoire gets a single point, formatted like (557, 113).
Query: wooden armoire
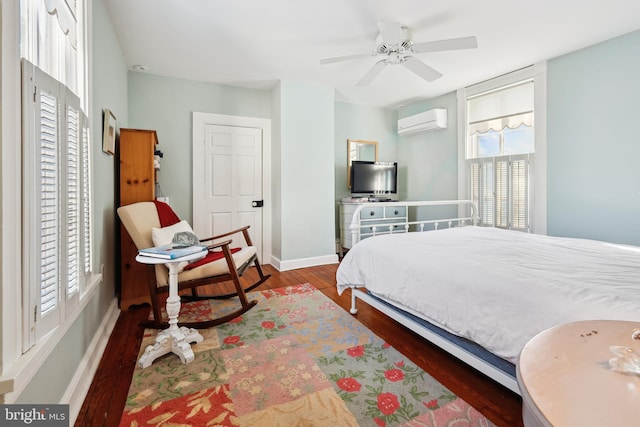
(137, 179)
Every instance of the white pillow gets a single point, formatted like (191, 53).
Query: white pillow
(164, 236)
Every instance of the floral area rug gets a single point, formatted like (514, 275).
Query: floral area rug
(296, 359)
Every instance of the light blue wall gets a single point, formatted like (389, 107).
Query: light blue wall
(166, 105)
(431, 160)
(276, 176)
(109, 91)
(594, 143)
(431, 157)
(306, 152)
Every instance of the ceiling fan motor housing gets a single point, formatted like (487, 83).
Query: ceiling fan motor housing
(395, 52)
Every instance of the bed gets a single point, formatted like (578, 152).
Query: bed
(481, 293)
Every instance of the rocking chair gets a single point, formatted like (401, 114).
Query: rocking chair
(222, 264)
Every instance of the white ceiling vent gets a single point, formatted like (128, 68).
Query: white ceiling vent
(423, 122)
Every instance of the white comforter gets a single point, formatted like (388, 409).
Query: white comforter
(498, 288)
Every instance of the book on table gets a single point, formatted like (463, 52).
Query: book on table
(171, 251)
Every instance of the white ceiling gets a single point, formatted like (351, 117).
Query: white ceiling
(255, 43)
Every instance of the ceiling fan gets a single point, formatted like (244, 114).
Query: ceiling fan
(395, 46)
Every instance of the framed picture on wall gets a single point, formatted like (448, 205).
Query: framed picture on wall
(109, 132)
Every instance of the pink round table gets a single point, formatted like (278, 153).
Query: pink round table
(565, 378)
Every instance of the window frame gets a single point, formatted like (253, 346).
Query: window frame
(20, 367)
(538, 183)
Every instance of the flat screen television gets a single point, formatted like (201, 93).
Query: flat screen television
(374, 177)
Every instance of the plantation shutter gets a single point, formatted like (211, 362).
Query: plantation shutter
(57, 199)
(500, 188)
(502, 193)
(49, 203)
(487, 199)
(520, 192)
(42, 118)
(73, 201)
(73, 174)
(474, 182)
(86, 198)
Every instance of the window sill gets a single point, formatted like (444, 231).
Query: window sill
(22, 371)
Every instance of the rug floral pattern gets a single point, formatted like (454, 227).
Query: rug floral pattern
(296, 359)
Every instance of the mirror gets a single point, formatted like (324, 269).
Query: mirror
(358, 149)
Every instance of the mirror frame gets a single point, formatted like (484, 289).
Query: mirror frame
(352, 145)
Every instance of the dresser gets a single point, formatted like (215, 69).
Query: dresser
(373, 218)
(136, 176)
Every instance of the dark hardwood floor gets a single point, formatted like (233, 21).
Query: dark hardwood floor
(106, 397)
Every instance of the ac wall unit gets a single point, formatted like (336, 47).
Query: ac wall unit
(423, 122)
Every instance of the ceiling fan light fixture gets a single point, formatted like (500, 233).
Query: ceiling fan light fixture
(395, 45)
(394, 58)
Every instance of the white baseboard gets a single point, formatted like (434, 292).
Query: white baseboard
(303, 262)
(81, 381)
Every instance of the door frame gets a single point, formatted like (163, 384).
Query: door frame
(200, 120)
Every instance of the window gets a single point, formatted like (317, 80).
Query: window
(500, 145)
(56, 165)
(52, 38)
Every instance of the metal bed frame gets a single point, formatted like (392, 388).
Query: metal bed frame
(476, 357)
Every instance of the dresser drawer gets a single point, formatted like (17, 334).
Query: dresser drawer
(395, 211)
(381, 227)
(372, 212)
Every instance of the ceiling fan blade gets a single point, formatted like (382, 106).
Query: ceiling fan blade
(344, 58)
(372, 74)
(447, 44)
(421, 69)
(391, 32)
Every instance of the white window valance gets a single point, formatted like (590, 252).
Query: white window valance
(65, 11)
(511, 122)
(509, 107)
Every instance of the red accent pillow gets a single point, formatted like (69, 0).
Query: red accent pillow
(211, 256)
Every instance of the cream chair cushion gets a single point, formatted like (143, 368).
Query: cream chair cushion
(139, 218)
(219, 266)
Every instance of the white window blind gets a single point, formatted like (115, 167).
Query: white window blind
(500, 122)
(53, 38)
(511, 106)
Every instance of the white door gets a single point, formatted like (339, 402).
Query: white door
(231, 195)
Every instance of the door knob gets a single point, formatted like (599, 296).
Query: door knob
(257, 203)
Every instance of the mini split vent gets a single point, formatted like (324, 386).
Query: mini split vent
(423, 122)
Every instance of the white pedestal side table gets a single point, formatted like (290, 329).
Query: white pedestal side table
(174, 339)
